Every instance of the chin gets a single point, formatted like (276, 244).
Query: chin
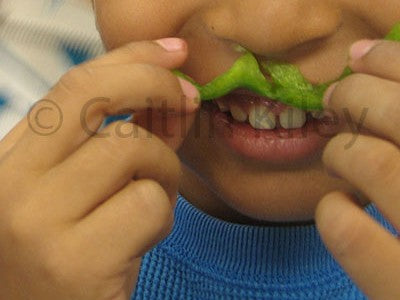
(279, 197)
(258, 189)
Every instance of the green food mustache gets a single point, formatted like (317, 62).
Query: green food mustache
(287, 84)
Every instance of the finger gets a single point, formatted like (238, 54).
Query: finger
(365, 101)
(376, 57)
(167, 53)
(129, 223)
(366, 251)
(131, 278)
(106, 163)
(12, 137)
(171, 129)
(370, 164)
(81, 105)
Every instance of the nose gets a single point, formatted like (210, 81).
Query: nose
(273, 26)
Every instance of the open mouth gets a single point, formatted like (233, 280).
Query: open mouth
(264, 114)
(265, 130)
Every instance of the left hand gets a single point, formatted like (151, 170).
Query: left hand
(366, 250)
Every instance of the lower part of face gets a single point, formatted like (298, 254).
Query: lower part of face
(231, 168)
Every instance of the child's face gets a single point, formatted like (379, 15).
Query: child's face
(278, 179)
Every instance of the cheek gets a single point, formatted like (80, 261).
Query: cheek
(123, 21)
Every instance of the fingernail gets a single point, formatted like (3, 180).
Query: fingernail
(190, 91)
(328, 94)
(171, 44)
(361, 48)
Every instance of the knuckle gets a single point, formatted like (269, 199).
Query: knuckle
(383, 162)
(76, 80)
(155, 205)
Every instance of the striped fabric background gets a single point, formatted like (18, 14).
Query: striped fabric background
(39, 41)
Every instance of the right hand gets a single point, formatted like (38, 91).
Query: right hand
(78, 210)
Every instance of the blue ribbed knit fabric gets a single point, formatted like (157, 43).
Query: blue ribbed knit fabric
(206, 258)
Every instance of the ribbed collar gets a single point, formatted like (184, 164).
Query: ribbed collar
(284, 254)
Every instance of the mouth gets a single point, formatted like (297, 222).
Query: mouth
(262, 129)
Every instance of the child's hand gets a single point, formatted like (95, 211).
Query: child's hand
(369, 254)
(77, 211)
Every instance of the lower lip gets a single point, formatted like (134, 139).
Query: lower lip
(272, 146)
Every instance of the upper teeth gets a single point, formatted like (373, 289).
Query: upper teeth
(222, 106)
(238, 113)
(260, 117)
(317, 115)
(292, 118)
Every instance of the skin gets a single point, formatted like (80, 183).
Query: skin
(67, 244)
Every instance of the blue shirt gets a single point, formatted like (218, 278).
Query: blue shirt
(207, 258)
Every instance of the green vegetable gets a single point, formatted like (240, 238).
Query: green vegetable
(245, 73)
(288, 85)
(394, 34)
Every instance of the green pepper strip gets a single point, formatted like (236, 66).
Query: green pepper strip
(245, 73)
(288, 85)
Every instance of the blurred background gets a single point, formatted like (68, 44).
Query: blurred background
(39, 41)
